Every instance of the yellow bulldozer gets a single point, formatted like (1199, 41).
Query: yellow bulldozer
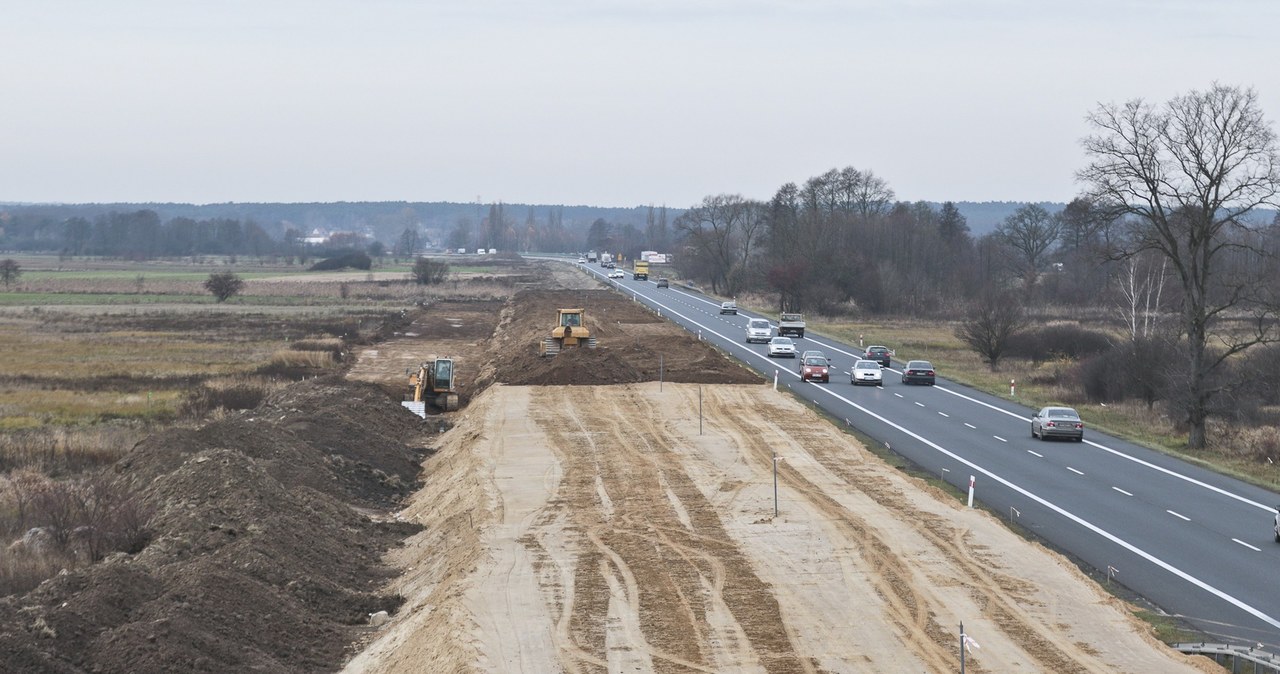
(570, 331)
(434, 383)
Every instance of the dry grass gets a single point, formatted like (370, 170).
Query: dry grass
(310, 359)
(66, 450)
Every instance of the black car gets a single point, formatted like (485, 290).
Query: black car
(918, 372)
(879, 354)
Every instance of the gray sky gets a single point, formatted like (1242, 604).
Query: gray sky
(608, 103)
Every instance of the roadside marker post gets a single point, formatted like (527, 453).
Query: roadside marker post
(1112, 572)
(1012, 390)
(971, 479)
(1014, 512)
(775, 380)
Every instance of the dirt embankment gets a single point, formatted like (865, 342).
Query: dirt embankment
(606, 529)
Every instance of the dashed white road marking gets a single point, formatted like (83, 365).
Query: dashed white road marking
(1179, 516)
(1035, 454)
(1122, 491)
(920, 404)
(1074, 470)
(970, 425)
(1247, 545)
(945, 414)
(999, 438)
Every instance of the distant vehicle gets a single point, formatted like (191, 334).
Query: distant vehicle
(493, 251)
(640, 270)
(814, 368)
(918, 372)
(462, 251)
(1057, 422)
(791, 324)
(591, 256)
(616, 273)
(866, 372)
(729, 308)
(814, 352)
(582, 260)
(879, 354)
(605, 259)
(759, 330)
(782, 347)
(664, 283)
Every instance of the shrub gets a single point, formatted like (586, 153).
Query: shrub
(235, 394)
(354, 259)
(1059, 340)
(429, 272)
(223, 285)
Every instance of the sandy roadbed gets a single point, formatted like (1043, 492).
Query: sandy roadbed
(593, 529)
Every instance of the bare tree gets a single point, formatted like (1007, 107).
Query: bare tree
(722, 229)
(10, 270)
(990, 324)
(1030, 232)
(1188, 174)
(1140, 288)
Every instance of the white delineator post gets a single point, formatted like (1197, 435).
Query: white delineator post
(971, 491)
(775, 380)
(1012, 394)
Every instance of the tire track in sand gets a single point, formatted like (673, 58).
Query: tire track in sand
(677, 585)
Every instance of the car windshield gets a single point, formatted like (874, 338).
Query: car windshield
(1063, 414)
(867, 365)
(815, 360)
(782, 341)
(920, 365)
(759, 325)
(877, 349)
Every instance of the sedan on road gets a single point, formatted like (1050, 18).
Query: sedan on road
(879, 354)
(1057, 422)
(729, 308)
(782, 347)
(866, 372)
(617, 273)
(815, 368)
(664, 283)
(918, 372)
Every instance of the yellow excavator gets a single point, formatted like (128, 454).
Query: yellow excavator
(434, 383)
(570, 331)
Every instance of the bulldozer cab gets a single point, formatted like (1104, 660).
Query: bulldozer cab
(571, 318)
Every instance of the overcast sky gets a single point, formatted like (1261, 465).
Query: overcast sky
(607, 103)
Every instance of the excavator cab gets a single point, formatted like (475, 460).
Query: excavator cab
(434, 383)
(571, 330)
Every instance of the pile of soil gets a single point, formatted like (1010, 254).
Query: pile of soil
(633, 345)
(269, 528)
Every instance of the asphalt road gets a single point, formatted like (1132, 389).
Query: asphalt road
(1194, 543)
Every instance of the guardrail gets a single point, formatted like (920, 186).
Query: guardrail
(1235, 656)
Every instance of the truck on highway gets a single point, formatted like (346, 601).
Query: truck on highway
(605, 259)
(591, 257)
(791, 325)
(640, 270)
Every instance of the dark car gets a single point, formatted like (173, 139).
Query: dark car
(879, 354)
(664, 283)
(1057, 422)
(815, 368)
(918, 372)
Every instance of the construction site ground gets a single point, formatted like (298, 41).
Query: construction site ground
(605, 510)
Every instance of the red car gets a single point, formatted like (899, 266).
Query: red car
(815, 368)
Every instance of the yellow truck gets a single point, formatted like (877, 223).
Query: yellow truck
(640, 272)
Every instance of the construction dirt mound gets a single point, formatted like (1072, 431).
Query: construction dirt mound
(269, 530)
(633, 345)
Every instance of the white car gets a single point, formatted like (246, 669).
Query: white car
(866, 372)
(582, 260)
(759, 330)
(616, 273)
(782, 347)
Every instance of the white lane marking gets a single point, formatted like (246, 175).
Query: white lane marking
(1034, 453)
(1247, 545)
(920, 404)
(999, 438)
(970, 425)
(1122, 491)
(945, 414)
(1180, 516)
(898, 394)
(1066, 513)
(1116, 452)
(1074, 470)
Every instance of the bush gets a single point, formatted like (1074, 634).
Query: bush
(1144, 370)
(353, 259)
(429, 272)
(223, 285)
(1060, 340)
(238, 394)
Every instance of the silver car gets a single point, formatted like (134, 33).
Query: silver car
(1057, 422)
(782, 347)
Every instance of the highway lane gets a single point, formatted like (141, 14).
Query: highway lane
(1195, 543)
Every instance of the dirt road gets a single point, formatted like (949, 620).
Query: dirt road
(631, 528)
